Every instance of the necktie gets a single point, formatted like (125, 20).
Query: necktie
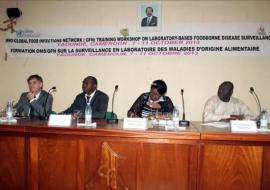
(31, 111)
(148, 21)
(87, 98)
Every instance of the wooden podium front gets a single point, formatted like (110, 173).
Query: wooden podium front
(35, 156)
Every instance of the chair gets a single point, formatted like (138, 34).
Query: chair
(110, 115)
(53, 112)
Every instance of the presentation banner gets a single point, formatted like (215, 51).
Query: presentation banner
(251, 39)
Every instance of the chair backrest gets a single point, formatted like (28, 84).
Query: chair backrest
(110, 115)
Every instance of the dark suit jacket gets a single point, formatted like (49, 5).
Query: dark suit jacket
(37, 106)
(153, 22)
(99, 104)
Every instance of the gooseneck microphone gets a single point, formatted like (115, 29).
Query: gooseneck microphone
(183, 103)
(115, 90)
(252, 91)
(113, 119)
(183, 122)
(46, 117)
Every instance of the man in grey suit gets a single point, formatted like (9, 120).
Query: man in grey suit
(98, 99)
(150, 20)
(32, 103)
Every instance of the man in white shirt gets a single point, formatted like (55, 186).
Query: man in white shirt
(36, 102)
(224, 107)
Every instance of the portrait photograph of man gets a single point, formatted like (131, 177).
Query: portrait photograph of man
(149, 16)
(150, 20)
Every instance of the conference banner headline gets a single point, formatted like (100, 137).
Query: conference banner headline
(183, 40)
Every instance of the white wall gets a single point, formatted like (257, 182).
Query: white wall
(199, 76)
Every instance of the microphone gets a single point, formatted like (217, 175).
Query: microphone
(183, 103)
(113, 119)
(183, 122)
(46, 117)
(252, 91)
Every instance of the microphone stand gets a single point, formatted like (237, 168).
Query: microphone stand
(256, 98)
(252, 91)
(183, 122)
(112, 119)
(46, 117)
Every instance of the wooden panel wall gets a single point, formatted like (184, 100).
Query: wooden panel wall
(102, 163)
(230, 167)
(12, 163)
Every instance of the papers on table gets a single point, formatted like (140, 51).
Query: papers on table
(263, 130)
(83, 125)
(5, 120)
(237, 126)
(178, 128)
(217, 124)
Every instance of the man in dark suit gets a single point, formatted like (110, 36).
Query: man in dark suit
(150, 20)
(32, 103)
(98, 100)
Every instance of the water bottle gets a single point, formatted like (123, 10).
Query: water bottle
(176, 118)
(264, 119)
(88, 115)
(9, 111)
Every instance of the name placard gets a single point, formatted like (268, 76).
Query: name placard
(243, 126)
(60, 120)
(135, 123)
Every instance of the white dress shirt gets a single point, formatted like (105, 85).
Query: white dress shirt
(149, 20)
(36, 97)
(91, 96)
(215, 109)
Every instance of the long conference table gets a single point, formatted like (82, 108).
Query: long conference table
(36, 156)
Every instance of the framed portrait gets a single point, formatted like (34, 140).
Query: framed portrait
(149, 16)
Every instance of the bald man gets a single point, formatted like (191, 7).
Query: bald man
(224, 107)
(98, 100)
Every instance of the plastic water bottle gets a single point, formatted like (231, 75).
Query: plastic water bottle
(264, 119)
(9, 111)
(88, 115)
(176, 118)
